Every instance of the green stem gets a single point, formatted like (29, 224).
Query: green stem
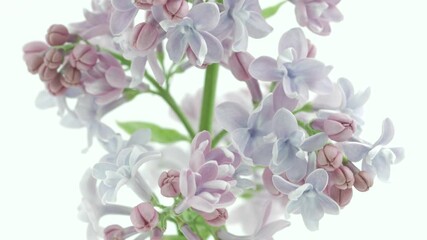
(209, 91)
(218, 137)
(172, 103)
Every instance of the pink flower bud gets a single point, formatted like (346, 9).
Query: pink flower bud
(343, 177)
(83, 57)
(54, 58)
(312, 50)
(147, 4)
(267, 179)
(329, 157)
(144, 36)
(71, 77)
(339, 127)
(144, 217)
(113, 232)
(340, 196)
(216, 218)
(169, 183)
(156, 234)
(57, 35)
(176, 9)
(35, 47)
(55, 86)
(33, 62)
(363, 181)
(46, 74)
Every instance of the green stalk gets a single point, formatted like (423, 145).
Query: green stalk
(209, 91)
(171, 102)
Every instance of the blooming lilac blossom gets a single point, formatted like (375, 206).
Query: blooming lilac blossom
(297, 73)
(241, 19)
(317, 14)
(96, 21)
(308, 199)
(192, 33)
(377, 158)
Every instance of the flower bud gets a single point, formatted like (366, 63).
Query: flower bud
(33, 62)
(329, 157)
(144, 217)
(340, 196)
(339, 127)
(216, 218)
(312, 50)
(343, 177)
(144, 36)
(71, 77)
(57, 35)
(35, 47)
(55, 86)
(169, 183)
(54, 58)
(156, 234)
(176, 9)
(267, 179)
(46, 74)
(363, 181)
(113, 232)
(147, 4)
(83, 57)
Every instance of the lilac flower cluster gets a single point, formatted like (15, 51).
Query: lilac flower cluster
(293, 149)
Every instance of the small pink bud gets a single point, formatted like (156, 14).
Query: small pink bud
(147, 4)
(156, 234)
(340, 196)
(83, 57)
(267, 179)
(329, 157)
(216, 218)
(54, 58)
(144, 36)
(35, 47)
(312, 50)
(144, 217)
(57, 35)
(47, 74)
(113, 232)
(55, 86)
(33, 62)
(363, 181)
(343, 177)
(169, 183)
(176, 9)
(339, 127)
(71, 77)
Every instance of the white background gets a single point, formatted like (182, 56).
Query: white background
(381, 44)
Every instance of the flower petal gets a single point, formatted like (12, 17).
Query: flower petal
(355, 151)
(120, 20)
(231, 116)
(315, 142)
(318, 178)
(283, 185)
(205, 16)
(294, 39)
(387, 133)
(265, 69)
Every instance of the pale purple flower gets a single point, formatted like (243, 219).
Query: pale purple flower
(122, 15)
(317, 14)
(240, 20)
(192, 34)
(206, 185)
(297, 73)
(377, 158)
(265, 228)
(308, 199)
(120, 166)
(97, 21)
(106, 81)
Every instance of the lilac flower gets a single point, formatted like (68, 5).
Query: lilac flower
(123, 14)
(377, 159)
(191, 33)
(241, 19)
(120, 166)
(265, 228)
(308, 199)
(317, 14)
(297, 73)
(206, 185)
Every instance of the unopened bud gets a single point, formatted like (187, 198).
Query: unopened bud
(144, 36)
(83, 57)
(340, 196)
(169, 183)
(216, 218)
(267, 179)
(147, 4)
(339, 127)
(113, 232)
(156, 234)
(363, 181)
(71, 77)
(55, 86)
(35, 47)
(144, 217)
(312, 50)
(329, 157)
(176, 9)
(54, 58)
(46, 74)
(343, 177)
(57, 35)
(33, 62)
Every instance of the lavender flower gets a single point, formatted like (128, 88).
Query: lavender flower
(241, 19)
(377, 159)
(308, 199)
(122, 15)
(293, 69)
(96, 21)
